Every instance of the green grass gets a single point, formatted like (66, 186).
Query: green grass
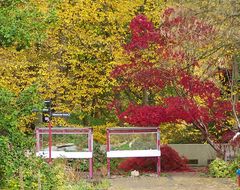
(85, 185)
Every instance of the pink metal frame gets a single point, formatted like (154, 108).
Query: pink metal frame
(133, 130)
(49, 131)
(50, 142)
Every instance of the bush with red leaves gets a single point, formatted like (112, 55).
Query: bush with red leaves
(170, 161)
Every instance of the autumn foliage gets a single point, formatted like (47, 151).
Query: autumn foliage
(162, 64)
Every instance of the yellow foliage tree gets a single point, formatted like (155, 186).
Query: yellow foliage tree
(73, 65)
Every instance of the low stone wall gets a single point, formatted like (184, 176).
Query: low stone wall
(197, 154)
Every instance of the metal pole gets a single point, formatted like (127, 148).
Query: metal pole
(37, 142)
(40, 141)
(50, 141)
(108, 149)
(158, 158)
(90, 148)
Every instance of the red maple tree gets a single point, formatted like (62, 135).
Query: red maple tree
(161, 64)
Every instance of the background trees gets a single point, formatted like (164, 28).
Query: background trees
(22, 24)
(224, 16)
(72, 65)
(78, 52)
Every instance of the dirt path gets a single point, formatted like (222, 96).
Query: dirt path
(177, 181)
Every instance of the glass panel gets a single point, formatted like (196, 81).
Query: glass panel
(129, 141)
(65, 142)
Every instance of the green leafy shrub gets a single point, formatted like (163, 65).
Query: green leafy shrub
(22, 23)
(220, 168)
(100, 158)
(19, 167)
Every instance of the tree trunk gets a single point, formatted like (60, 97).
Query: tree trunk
(145, 97)
(216, 147)
(234, 88)
(205, 133)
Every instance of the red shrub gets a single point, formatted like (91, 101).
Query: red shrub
(170, 161)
